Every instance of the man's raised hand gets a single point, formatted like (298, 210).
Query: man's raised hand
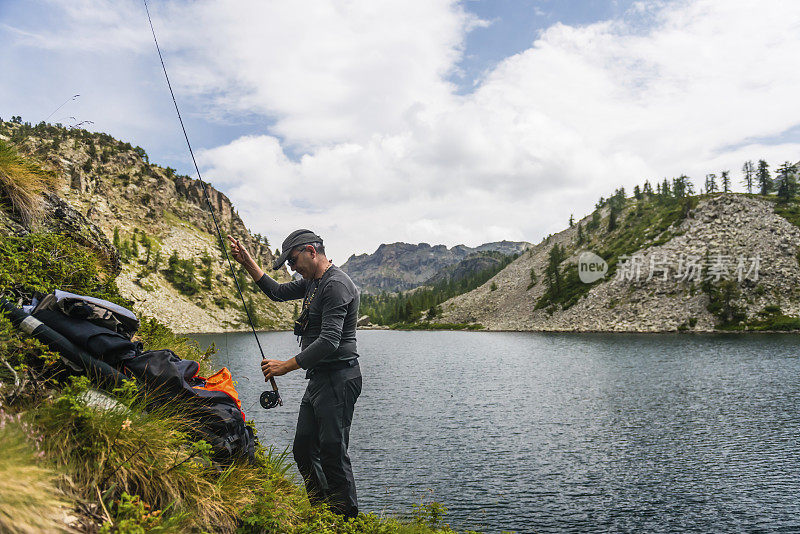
(238, 252)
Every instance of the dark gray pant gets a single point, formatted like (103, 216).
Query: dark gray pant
(322, 438)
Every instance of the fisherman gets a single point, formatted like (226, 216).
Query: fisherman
(326, 328)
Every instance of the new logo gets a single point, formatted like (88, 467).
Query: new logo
(591, 267)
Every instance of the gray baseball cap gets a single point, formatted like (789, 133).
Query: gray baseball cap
(295, 239)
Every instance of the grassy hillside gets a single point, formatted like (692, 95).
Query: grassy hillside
(618, 227)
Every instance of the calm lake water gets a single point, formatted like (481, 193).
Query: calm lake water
(563, 432)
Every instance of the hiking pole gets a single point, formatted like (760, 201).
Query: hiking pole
(269, 399)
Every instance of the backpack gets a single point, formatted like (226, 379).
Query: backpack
(104, 330)
(212, 401)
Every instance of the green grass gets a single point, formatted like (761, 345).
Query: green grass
(643, 227)
(771, 318)
(788, 210)
(44, 262)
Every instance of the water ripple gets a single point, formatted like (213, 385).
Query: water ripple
(564, 432)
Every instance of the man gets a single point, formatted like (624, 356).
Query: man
(327, 329)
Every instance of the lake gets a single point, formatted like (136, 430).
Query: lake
(534, 432)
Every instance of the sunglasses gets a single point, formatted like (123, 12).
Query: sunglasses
(292, 260)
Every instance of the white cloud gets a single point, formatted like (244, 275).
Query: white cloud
(390, 153)
(336, 72)
(581, 112)
(94, 26)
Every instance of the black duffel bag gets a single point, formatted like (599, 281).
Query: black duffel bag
(111, 347)
(170, 379)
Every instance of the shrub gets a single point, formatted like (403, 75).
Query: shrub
(533, 278)
(207, 272)
(180, 273)
(723, 302)
(45, 262)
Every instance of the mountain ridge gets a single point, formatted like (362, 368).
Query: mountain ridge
(402, 266)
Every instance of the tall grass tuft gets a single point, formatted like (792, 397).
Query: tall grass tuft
(125, 450)
(22, 184)
(29, 498)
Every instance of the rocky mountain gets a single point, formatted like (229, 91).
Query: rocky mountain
(403, 266)
(154, 225)
(703, 263)
(474, 263)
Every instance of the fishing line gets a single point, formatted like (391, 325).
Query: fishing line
(73, 97)
(269, 399)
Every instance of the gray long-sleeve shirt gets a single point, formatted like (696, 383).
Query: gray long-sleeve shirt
(333, 314)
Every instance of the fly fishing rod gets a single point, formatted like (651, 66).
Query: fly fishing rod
(268, 399)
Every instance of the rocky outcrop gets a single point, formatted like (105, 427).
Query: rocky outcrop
(64, 219)
(403, 266)
(727, 230)
(110, 187)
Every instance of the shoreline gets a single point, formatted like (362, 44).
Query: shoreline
(654, 332)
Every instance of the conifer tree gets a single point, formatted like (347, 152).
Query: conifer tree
(147, 243)
(553, 274)
(748, 169)
(124, 250)
(207, 271)
(680, 186)
(135, 243)
(764, 181)
(787, 187)
(726, 181)
(172, 262)
(594, 223)
(711, 183)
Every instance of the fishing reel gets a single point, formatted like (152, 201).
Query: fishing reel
(270, 399)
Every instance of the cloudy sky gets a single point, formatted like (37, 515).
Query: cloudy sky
(432, 120)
